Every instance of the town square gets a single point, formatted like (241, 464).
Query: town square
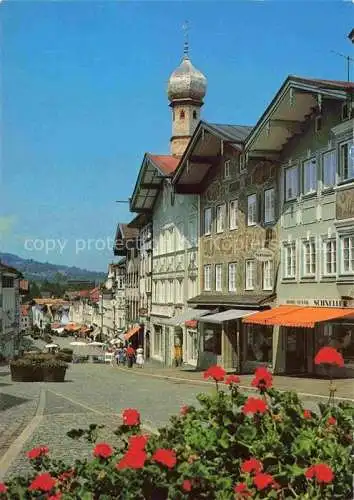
(177, 251)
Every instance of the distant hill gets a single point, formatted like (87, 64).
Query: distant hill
(41, 271)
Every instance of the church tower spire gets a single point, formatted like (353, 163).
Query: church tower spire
(186, 90)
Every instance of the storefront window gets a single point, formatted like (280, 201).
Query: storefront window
(341, 337)
(259, 343)
(158, 340)
(212, 341)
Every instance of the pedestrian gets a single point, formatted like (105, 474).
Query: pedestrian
(140, 356)
(130, 356)
(117, 355)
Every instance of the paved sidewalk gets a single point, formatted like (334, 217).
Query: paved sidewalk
(313, 387)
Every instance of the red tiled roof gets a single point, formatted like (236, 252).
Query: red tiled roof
(84, 293)
(166, 163)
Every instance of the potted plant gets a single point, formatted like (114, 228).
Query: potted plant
(54, 370)
(26, 369)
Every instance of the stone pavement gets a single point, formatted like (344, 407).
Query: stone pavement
(312, 388)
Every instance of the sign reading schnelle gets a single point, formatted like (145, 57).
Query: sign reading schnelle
(320, 302)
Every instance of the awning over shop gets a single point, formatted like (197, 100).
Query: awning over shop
(189, 314)
(229, 315)
(297, 316)
(131, 332)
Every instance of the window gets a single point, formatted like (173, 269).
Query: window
(309, 248)
(346, 158)
(318, 123)
(179, 289)
(291, 183)
(233, 207)
(310, 176)
(252, 210)
(290, 260)
(345, 111)
(250, 274)
(207, 220)
(267, 275)
(227, 169)
(269, 205)
(347, 255)
(8, 282)
(329, 168)
(220, 218)
(329, 257)
(158, 340)
(182, 115)
(242, 163)
(194, 115)
(218, 277)
(232, 277)
(207, 280)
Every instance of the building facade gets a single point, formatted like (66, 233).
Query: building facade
(9, 311)
(308, 128)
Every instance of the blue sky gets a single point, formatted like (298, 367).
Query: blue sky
(84, 96)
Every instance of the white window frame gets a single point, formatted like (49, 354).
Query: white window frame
(332, 154)
(269, 205)
(350, 159)
(252, 213)
(309, 256)
(250, 265)
(218, 277)
(329, 247)
(227, 165)
(233, 211)
(232, 277)
(309, 168)
(267, 274)
(290, 260)
(350, 238)
(207, 278)
(295, 184)
(207, 221)
(220, 218)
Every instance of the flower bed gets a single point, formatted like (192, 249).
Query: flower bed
(38, 368)
(234, 446)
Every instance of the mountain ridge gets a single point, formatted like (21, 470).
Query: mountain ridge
(34, 270)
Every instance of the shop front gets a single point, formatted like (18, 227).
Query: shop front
(256, 347)
(303, 330)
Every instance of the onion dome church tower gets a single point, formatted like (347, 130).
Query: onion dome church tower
(186, 90)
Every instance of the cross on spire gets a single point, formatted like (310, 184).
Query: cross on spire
(185, 28)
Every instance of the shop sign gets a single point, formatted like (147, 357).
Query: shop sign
(320, 302)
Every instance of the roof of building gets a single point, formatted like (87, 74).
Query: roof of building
(50, 302)
(8, 269)
(186, 82)
(237, 133)
(167, 164)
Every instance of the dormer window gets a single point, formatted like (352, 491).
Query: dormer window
(182, 115)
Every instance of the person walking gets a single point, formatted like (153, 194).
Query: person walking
(130, 356)
(140, 356)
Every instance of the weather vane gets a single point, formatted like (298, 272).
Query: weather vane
(185, 28)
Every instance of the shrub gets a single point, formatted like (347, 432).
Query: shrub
(232, 446)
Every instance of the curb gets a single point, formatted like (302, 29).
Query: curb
(245, 387)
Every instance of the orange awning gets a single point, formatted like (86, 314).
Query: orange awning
(131, 332)
(297, 316)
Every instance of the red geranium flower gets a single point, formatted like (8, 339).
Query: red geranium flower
(138, 442)
(254, 405)
(133, 459)
(103, 450)
(242, 491)
(329, 356)
(263, 379)
(187, 485)
(165, 457)
(43, 482)
(321, 472)
(262, 481)
(37, 452)
(3, 488)
(307, 414)
(331, 421)
(216, 372)
(131, 417)
(251, 465)
(184, 410)
(232, 379)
